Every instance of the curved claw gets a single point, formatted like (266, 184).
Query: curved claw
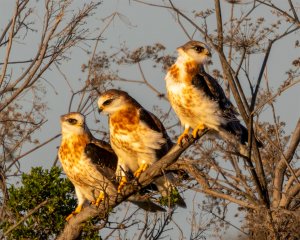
(200, 127)
(122, 184)
(141, 169)
(184, 135)
(75, 212)
(99, 199)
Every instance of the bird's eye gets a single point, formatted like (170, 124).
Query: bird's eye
(198, 49)
(72, 121)
(107, 102)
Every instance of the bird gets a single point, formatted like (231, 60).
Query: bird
(90, 164)
(198, 99)
(138, 138)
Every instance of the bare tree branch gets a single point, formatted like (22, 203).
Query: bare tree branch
(219, 25)
(8, 48)
(281, 166)
(294, 11)
(207, 190)
(30, 151)
(74, 227)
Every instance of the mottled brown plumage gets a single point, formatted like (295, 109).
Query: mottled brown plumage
(90, 164)
(88, 178)
(137, 136)
(197, 98)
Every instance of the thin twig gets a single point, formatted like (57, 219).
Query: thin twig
(32, 150)
(74, 227)
(8, 48)
(26, 216)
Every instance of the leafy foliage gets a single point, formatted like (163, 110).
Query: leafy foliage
(46, 222)
(171, 199)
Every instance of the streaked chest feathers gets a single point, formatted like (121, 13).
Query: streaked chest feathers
(75, 163)
(191, 104)
(133, 141)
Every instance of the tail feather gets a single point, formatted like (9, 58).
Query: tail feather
(237, 129)
(179, 201)
(169, 193)
(145, 203)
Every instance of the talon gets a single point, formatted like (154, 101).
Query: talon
(122, 184)
(141, 169)
(75, 212)
(184, 135)
(99, 199)
(200, 127)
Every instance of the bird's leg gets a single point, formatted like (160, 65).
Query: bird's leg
(141, 169)
(183, 135)
(76, 211)
(122, 183)
(121, 175)
(200, 127)
(99, 199)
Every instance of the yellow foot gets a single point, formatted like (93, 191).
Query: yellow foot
(122, 184)
(200, 127)
(99, 199)
(184, 135)
(76, 211)
(141, 169)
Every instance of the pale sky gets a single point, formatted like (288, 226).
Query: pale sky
(148, 25)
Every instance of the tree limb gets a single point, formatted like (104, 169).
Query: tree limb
(211, 192)
(219, 24)
(282, 164)
(289, 196)
(74, 227)
(8, 48)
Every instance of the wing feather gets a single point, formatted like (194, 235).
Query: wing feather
(212, 88)
(155, 124)
(104, 158)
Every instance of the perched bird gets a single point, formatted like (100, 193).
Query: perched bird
(197, 98)
(138, 138)
(90, 164)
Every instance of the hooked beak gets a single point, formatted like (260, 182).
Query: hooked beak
(208, 53)
(100, 109)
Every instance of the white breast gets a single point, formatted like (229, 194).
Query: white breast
(192, 106)
(135, 147)
(85, 177)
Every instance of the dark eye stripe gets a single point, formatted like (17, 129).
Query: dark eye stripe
(198, 48)
(72, 121)
(107, 102)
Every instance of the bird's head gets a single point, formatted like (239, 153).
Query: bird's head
(112, 101)
(194, 50)
(72, 123)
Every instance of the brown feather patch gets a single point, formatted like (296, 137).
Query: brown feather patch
(126, 118)
(191, 69)
(71, 150)
(174, 71)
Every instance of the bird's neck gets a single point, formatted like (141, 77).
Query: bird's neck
(126, 116)
(71, 138)
(72, 148)
(184, 69)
